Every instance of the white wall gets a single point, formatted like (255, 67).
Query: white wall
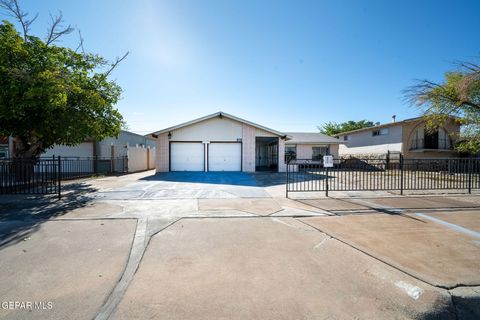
(214, 129)
(138, 159)
(84, 149)
(365, 143)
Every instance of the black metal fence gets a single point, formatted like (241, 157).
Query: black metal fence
(354, 174)
(44, 175)
(29, 176)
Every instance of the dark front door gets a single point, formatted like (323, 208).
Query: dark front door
(431, 140)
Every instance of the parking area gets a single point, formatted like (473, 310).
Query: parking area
(186, 247)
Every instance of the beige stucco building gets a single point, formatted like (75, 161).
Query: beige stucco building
(408, 137)
(223, 142)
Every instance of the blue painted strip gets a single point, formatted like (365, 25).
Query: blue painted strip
(451, 225)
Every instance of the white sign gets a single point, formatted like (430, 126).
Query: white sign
(328, 161)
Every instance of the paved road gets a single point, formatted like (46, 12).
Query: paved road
(229, 245)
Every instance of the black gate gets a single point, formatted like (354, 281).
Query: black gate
(357, 174)
(30, 176)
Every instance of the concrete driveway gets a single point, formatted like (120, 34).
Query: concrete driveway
(196, 246)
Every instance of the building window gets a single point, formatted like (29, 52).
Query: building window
(290, 152)
(346, 138)
(380, 132)
(319, 152)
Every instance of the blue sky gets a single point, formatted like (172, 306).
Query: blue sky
(288, 65)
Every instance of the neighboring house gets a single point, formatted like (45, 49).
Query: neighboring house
(408, 137)
(131, 151)
(223, 142)
(116, 147)
(306, 145)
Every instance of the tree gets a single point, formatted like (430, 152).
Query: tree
(458, 95)
(52, 94)
(333, 128)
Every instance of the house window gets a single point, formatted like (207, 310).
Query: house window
(319, 152)
(346, 138)
(380, 132)
(290, 152)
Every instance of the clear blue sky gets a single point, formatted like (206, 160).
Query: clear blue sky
(289, 65)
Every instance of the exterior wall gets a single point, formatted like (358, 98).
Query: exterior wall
(162, 153)
(263, 133)
(452, 128)
(128, 138)
(363, 143)
(85, 149)
(334, 150)
(248, 148)
(139, 158)
(282, 166)
(214, 129)
(305, 151)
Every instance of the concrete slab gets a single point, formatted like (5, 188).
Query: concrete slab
(465, 219)
(72, 264)
(334, 204)
(256, 206)
(420, 202)
(427, 250)
(268, 268)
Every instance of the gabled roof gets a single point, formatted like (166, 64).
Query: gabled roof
(310, 138)
(219, 114)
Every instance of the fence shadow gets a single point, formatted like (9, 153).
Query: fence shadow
(22, 215)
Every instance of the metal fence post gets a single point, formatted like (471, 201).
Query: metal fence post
(287, 182)
(470, 175)
(59, 172)
(401, 174)
(326, 181)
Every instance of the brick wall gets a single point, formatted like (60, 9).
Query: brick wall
(248, 148)
(162, 156)
(282, 166)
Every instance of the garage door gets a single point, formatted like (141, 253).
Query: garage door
(225, 156)
(187, 156)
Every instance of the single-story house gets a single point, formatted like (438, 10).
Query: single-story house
(223, 142)
(408, 137)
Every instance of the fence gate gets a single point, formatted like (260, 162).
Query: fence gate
(30, 176)
(356, 174)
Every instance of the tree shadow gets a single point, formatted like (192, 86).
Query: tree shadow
(22, 215)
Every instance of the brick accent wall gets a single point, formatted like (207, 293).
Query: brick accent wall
(163, 153)
(282, 166)
(248, 148)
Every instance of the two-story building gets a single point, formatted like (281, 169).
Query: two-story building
(409, 137)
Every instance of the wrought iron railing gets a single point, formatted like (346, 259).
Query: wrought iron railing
(437, 144)
(356, 174)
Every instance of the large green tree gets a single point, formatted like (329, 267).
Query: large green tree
(51, 94)
(333, 128)
(458, 95)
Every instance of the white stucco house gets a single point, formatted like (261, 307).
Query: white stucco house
(408, 137)
(223, 142)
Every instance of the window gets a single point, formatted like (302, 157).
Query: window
(290, 152)
(319, 152)
(380, 132)
(346, 138)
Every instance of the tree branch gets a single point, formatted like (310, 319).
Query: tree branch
(115, 64)
(80, 44)
(13, 9)
(56, 29)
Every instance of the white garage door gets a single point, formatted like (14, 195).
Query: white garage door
(225, 156)
(187, 156)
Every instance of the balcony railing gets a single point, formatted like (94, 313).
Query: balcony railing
(437, 144)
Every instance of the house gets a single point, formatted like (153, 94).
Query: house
(223, 142)
(108, 147)
(408, 137)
